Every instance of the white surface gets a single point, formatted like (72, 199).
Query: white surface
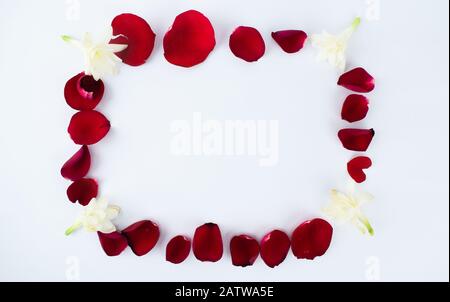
(407, 51)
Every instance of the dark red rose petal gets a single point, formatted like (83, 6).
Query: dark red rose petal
(291, 41)
(356, 139)
(113, 243)
(142, 236)
(311, 239)
(244, 250)
(178, 249)
(83, 92)
(275, 247)
(357, 80)
(78, 165)
(355, 108)
(82, 190)
(207, 244)
(88, 127)
(137, 34)
(247, 43)
(190, 39)
(356, 166)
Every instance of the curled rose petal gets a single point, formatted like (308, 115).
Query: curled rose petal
(311, 239)
(274, 248)
(190, 40)
(142, 236)
(207, 244)
(178, 249)
(356, 139)
(83, 92)
(358, 80)
(244, 250)
(355, 108)
(78, 165)
(247, 43)
(88, 127)
(113, 243)
(356, 166)
(291, 41)
(82, 190)
(137, 34)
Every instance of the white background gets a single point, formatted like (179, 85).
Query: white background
(406, 50)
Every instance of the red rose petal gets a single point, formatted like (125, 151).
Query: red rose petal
(291, 41)
(142, 236)
(78, 165)
(355, 108)
(207, 244)
(82, 190)
(357, 80)
(244, 250)
(83, 92)
(275, 247)
(113, 243)
(356, 139)
(137, 34)
(178, 249)
(190, 39)
(356, 166)
(247, 43)
(88, 127)
(311, 239)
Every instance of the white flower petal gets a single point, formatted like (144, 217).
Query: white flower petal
(101, 204)
(92, 204)
(338, 197)
(346, 207)
(107, 35)
(364, 197)
(112, 212)
(87, 40)
(332, 48)
(117, 47)
(100, 59)
(97, 216)
(106, 227)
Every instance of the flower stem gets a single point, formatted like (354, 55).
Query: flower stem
(366, 223)
(356, 23)
(72, 228)
(66, 38)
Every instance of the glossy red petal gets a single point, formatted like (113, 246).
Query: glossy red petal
(142, 236)
(190, 40)
(247, 43)
(311, 239)
(83, 92)
(82, 190)
(355, 108)
(178, 249)
(113, 243)
(78, 165)
(356, 166)
(291, 41)
(358, 80)
(88, 127)
(244, 250)
(275, 247)
(137, 34)
(356, 139)
(207, 244)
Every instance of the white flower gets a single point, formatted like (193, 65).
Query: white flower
(346, 207)
(332, 48)
(97, 216)
(99, 58)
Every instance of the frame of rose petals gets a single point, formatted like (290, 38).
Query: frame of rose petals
(82, 92)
